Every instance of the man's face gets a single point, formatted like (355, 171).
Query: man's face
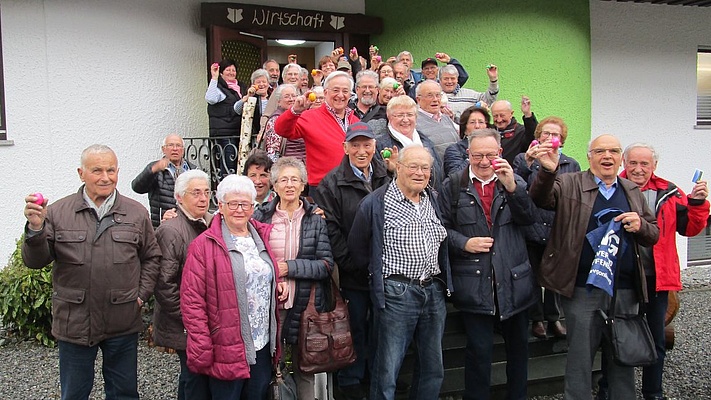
(403, 119)
(384, 95)
(338, 92)
(448, 82)
(292, 76)
(407, 60)
(273, 70)
(430, 97)
(430, 71)
(605, 157)
(640, 165)
(304, 81)
(173, 149)
(260, 178)
(367, 91)
(413, 172)
(196, 198)
(360, 151)
(100, 175)
(502, 115)
(480, 150)
(400, 72)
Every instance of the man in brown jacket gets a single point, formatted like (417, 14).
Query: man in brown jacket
(106, 261)
(581, 200)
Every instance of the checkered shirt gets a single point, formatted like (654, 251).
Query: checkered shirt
(412, 235)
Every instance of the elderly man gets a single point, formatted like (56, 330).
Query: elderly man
(405, 58)
(192, 193)
(272, 67)
(586, 202)
(676, 212)
(339, 194)
(323, 129)
(485, 208)
(105, 265)
(459, 98)
(431, 122)
(430, 70)
(398, 238)
(158, 177)
(365, 105)
(401, 71)
(515, 138)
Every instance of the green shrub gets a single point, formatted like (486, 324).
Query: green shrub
(26, 300)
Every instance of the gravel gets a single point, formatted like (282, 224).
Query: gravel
(29, 371)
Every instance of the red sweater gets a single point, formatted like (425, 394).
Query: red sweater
(322, 135)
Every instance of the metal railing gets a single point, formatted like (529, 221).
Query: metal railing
(217, 156)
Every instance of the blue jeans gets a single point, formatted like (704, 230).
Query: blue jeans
(120, 363)
(480, 346)
(190, 385)
(359, 306)
(254, 388)
(411, 313)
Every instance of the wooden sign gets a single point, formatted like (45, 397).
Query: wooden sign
(251, 17)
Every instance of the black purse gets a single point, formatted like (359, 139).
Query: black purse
(282, 386)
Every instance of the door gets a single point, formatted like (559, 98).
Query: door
(248, 51)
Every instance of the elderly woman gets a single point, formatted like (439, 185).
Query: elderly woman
(192, 194)
(259, 89)
(300, 244)
(400, 132)
(456, 157)
(385, 70)
(275, 145)
(527, 166)
(222, 94)
(228, 298)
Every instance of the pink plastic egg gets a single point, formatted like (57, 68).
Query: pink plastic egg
(555, 142)
(39, 199)
(534, 142)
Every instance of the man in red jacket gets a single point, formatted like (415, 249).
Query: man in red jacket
(323, 129)
(676, 212)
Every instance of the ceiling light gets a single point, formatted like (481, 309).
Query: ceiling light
(289, 42)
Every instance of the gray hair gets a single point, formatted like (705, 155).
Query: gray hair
(259, 73)
(410, 147)
(429, 81)
(271, 60)
(405, 53)
(183, 181)
(165, 139)
(237, 184)
(304, 72)
(96, 149)
(485, 133)
(368, 74)
(505, 102)
(448, 69)
(401, 101)
(280, 88)
(640, 145)
(336, 74)
(387, 82)
(287, 67)
(286, 162)
(590, 143)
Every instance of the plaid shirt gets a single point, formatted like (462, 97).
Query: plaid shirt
(412, 236)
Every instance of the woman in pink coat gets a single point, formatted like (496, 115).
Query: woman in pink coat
(228, 299)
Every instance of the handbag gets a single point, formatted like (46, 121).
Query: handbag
(282, 386)
(325, 342)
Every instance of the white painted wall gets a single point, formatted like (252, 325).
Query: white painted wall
(644, 82)
(121, 73)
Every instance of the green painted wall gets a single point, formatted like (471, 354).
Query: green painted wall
(542, 49)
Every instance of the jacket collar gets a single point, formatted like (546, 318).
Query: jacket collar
(80, 205)
(348, 177)
(654, 183)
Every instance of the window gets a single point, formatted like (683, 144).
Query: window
(703, 88)
(3, 125)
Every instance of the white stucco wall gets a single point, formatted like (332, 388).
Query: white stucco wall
(121, 73)
(644, 83)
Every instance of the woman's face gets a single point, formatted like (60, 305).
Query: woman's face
(262, 84)
(288, 95)
(289, 184)
(476, 121)
(403, 120)
(386, 72)
(384, 95)
(237, 209)
(327, 68)
(230, 73)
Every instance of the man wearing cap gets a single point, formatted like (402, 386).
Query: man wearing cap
(431, 122)
(339, 194)
(430, 71)
(365, 104)
(323, 129)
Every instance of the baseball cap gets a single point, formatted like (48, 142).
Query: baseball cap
(429, 61)
(359, 129)
(343, 65)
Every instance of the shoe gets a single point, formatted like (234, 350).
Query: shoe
(350, 392)
(538, 330)
(558, 329)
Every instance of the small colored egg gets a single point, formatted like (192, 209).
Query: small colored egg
(312, 96)
(39, 199)
(387, 153)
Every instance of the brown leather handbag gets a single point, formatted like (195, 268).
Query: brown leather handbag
(325, 342)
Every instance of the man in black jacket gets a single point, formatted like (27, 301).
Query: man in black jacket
(158, 178)
(338, 195)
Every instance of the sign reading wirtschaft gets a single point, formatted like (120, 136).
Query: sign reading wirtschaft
(250, 17)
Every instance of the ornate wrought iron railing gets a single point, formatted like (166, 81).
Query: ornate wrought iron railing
(217, 156)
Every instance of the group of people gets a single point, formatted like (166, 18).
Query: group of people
(414, 200)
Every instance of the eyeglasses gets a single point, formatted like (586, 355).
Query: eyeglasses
(479, 156)
(412, 168)
(198, 193)
(289, 96)
(173, 145)
(554, 134)
(477, 122)
(432, 96)
(286, 180)
(364, 87)
(235, 205)
(404, 115)
(615, 151)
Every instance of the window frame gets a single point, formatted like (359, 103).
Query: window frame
(703, 118)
